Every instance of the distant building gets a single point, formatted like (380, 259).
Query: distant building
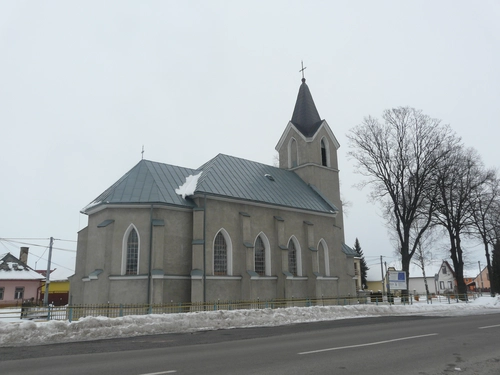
(482, 281)
(445, 279)
(232, 229)
(58, 288)
(417, 285)
(18, 281)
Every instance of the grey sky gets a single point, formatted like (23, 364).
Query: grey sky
(83, 85)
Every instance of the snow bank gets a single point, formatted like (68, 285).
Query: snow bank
(94, 328)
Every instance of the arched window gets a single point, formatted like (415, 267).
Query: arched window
(294, 257)
(222, 254)
(324, 258)
(260, 257)
(293, 157)
(131, 246)
(325, 153)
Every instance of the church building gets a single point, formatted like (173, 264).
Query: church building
(232, 229)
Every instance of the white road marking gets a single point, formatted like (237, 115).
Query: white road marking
(497, 325)
(368, 344)
(160, 373)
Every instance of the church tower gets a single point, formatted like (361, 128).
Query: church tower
(308, 147)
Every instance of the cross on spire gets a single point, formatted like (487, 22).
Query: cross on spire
(302, 70)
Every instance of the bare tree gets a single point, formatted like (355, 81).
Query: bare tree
(458, 181)
(423, 256)
(399, 157)
(486, 215)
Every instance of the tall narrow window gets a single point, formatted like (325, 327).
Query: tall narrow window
(132, 253)
(260, 257)
(324, 159)
(2, 290)
(292, 258)
(293, 154)
(321, 259)
(324, 258)
(220, 255)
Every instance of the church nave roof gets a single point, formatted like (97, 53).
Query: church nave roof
(227, 176)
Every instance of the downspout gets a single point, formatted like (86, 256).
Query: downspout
(204, 248)
(150, 254)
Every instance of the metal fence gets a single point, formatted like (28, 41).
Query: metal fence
(113, 310)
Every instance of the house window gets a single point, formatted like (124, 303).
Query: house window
(292, 258)
(220, 255)
(260, 257)
(132, 253)
(441, 285)
(450, 285)
(444, 270)
(19, 292)
(2, 290)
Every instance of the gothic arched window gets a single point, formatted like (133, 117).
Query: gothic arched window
(220, 255)
(260, 256)
(293, 157)
(132, 257)
(324, 263)
(324, 153)
(292, 258)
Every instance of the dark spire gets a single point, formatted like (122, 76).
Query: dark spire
(305, 115)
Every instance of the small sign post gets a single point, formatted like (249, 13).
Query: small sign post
(397, 280)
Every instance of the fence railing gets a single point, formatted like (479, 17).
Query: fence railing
(113, 310)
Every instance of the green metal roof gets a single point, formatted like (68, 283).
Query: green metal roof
(225, 176)
(147, 182)
(243, 179)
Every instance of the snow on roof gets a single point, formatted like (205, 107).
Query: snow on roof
(189, 187)
(60, 274)
(16, 271)
(11, 268)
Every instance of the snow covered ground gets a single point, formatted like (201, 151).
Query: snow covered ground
(14, 332)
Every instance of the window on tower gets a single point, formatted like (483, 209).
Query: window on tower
(324, 153)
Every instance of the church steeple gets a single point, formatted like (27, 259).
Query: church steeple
(305, 115)
(309, 147)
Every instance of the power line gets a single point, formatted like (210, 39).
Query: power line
(36, 245)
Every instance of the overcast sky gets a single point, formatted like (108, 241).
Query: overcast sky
(84, 85)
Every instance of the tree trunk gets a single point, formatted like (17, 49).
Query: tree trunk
(405, 263)
(488, 265)
(458, 265)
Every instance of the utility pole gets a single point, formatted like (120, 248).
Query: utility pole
(388, 284)
(480, 276)
(47, 276)
(382, 274)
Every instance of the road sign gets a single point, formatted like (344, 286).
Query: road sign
(397, 280)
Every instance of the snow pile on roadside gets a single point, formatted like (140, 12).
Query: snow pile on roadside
(94, 328)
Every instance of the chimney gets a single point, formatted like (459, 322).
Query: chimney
(23, 256)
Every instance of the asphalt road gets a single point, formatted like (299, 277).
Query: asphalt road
(385, 345)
